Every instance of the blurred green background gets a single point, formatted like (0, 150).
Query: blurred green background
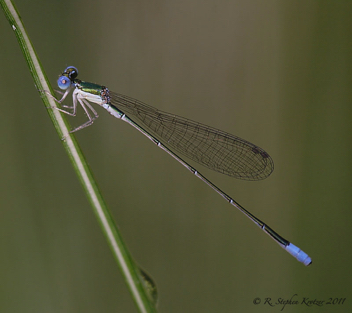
(276, 73)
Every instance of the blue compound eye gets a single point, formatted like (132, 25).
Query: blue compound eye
(71, 72)
(63, 82)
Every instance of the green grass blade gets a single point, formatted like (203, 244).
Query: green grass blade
(128, 268)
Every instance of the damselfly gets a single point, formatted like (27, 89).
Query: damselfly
(213, 148)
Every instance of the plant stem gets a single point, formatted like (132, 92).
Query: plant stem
(122, 256)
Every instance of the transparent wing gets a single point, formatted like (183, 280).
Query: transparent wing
(213, 148)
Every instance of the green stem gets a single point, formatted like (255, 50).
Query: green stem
(128, 268)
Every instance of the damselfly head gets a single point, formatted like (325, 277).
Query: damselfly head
(67, 77)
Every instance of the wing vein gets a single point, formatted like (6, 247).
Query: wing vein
(213, 148)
